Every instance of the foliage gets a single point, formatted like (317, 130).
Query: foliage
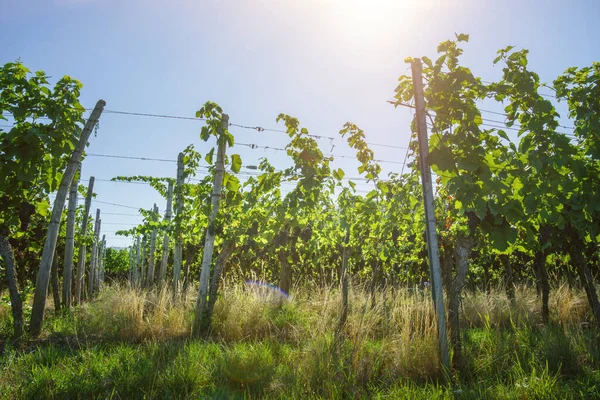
(523, 191)
(34, 151)
(515, 197)
(116, 262)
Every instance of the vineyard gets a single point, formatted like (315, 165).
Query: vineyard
(469, 271)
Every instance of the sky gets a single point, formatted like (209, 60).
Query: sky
(325, 62)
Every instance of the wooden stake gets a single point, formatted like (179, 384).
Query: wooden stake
(70, 242)
(178, 253)
(54, 281)
(130, 274)
(150, 278)
(165, 246)
(344, 284)
(101, 262)
(143, 262)
(92, 275)
(430, 227)
(210, 231)
(43, 275)
(136, 263)
(82, 247)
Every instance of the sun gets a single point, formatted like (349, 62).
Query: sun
(364, 20)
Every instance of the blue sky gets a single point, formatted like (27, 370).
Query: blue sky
(325, 62)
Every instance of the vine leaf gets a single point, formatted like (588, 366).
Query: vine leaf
(338, 174)
(442, 158)
(236, 163)
(209, 156)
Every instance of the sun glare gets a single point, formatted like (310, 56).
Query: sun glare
(364, 20)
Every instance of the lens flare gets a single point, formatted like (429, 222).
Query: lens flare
(267, 291)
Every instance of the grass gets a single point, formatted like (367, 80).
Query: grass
(135, 344)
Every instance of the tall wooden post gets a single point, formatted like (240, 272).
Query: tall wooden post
(143, 262)
(210, 231)
(54, 281)
(165, 246)
(430, 227)
(82, 247)
(130, 274)
(70, 242)
(178, 253)
(93, 273)
(98, 252)
(43, 275)
(101, 261)
(150, 278)
(344, 283)
(136, 263)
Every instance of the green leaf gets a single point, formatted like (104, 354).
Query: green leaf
(503, 135)
(236, 163)
(229, 139)
(442, 158)
(204, 133)
(233, 183)
(530, 203)
(462, 37)
(525, 144)
(43, 208)
(501, 237)
(427, 61)
(209, 156)
(480, 208)
(338, 174)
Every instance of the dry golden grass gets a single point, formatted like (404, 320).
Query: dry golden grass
(494, 308)
(134, 315)
(260, 337)
(567, 307)
(394, 334)
(401, 324)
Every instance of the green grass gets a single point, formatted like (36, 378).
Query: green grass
(129, 345)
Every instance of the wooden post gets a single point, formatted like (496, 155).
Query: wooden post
(150, 278)
(430, 227)
(82, 247)
(210, 231)
(55, 283)
(92, 275)
(165, 246)
(101, 262)
(178, 253)
(130, 274)
(70, 242)
(143, 262)
(224, 254)
(136, 263)
(103, 257)
(98, 251)
(344, 284)
(43, 275)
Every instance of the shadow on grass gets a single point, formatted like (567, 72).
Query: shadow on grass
(104, 370)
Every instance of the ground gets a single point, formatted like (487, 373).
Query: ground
(131, 344)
